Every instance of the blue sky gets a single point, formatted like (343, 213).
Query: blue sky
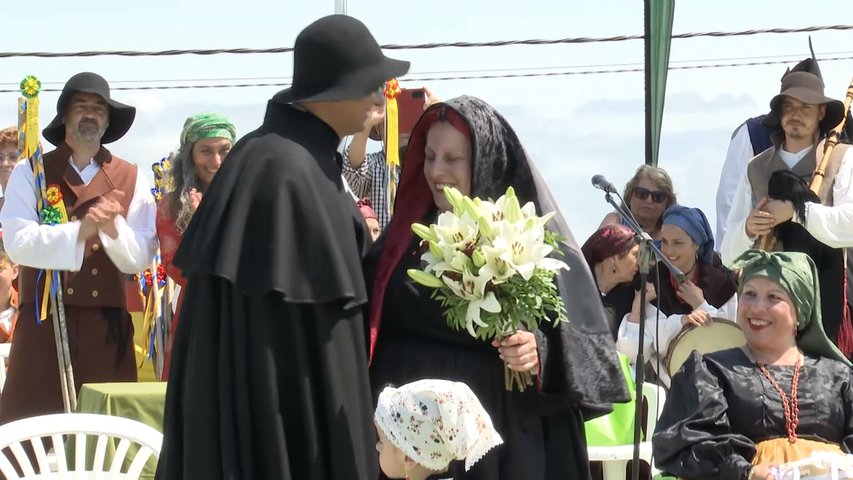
(574, 126)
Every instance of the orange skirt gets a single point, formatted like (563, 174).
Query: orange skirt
(777, 451)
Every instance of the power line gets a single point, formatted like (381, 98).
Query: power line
(267, 79)
(623, 70)
(422, 46)
(447, 78)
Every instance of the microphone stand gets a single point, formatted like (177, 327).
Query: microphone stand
(647, 249)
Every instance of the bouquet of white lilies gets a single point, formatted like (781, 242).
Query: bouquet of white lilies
(490, 265)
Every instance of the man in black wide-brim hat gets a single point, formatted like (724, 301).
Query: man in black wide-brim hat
(110, 233)
(269, 369)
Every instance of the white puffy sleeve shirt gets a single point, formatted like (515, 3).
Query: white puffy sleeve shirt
(57, 247)
(831, 225)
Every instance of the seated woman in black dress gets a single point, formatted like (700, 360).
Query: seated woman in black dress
(466, 144)
(738, 413)
(611, 253)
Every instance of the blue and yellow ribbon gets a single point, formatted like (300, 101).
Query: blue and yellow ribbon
(49, 203)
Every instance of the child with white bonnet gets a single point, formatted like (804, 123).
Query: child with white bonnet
(423, 426)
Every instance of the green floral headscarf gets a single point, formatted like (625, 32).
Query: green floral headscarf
(207, 125)
(797, 274)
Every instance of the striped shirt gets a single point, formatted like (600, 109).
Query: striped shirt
(371, 180)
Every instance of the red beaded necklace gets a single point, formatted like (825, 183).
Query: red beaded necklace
(790, 408)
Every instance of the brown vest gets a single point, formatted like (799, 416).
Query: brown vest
(765, 163)
(98, 283)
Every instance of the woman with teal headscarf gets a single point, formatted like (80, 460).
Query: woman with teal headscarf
(708, 291)
(206, 140)
(786, 394)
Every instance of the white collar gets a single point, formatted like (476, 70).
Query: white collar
(792, 159)
(91, 163)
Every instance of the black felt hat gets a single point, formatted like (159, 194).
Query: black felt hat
(121, 115)
(336, 58)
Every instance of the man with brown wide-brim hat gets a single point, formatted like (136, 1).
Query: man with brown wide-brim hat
(269, 369)
(773, 199)
(110, 233)
(748, 140)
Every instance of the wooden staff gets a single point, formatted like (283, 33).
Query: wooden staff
(831, 142)
(60, 329)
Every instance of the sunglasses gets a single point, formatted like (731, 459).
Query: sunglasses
(642, 194)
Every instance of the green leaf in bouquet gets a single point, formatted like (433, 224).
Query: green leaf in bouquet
(554, 240)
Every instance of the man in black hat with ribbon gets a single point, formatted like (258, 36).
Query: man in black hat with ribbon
(110, 233)
(774, 200)
(269, 370)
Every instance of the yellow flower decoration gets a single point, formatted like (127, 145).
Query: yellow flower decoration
(53, 194)
(392, 89)
(30, 86)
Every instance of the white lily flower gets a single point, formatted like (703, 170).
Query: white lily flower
(456, 261)
(489, 303)
(524, 248)
(456, 232)
(496, 266)
(472, 288)
(430, 260)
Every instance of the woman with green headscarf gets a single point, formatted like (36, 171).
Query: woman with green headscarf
(206, 140)
(786, 394)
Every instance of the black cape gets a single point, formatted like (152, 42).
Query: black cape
(543, 430)
(269, 376)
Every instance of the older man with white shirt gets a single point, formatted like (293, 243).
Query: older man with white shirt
(110, 233)
(801, 116)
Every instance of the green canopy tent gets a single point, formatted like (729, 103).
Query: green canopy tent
(658, 36)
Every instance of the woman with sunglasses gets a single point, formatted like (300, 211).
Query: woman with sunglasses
(647, 196)
(707, 292)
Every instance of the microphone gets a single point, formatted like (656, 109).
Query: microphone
(601, 183)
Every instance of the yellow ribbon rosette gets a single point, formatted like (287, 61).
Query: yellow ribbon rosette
(392, 137)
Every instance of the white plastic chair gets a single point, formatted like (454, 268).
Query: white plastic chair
(74, 430)
(614, 460)
(5, 349)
